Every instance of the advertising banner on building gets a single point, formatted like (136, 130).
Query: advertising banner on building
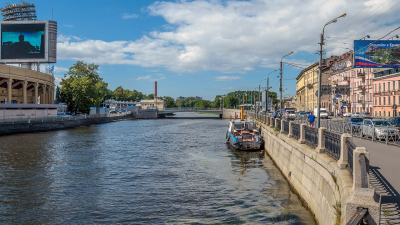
(377, 54)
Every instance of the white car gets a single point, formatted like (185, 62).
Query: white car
(347, 114)
(355, 114)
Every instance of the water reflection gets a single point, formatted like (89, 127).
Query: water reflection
(141, 172)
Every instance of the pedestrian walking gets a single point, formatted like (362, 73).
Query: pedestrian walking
(311, 119)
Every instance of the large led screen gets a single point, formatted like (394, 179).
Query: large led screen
(377, 54)
(22, 41)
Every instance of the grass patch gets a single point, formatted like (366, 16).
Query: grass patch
(387, 212)
(338, 212)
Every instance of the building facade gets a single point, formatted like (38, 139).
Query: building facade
(152, 104)
(386, 92)
(22, 86)
(340, 77)
(306, 87)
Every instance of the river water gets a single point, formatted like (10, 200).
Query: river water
(162, 171)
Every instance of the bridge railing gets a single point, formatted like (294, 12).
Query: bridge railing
(189, 108)
(347, 155)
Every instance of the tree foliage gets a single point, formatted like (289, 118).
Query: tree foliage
(82, 87)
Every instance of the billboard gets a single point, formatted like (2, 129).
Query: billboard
(377, 54)
(28, 41)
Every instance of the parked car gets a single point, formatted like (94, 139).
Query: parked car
(355, 114)
(378, 128)
(365, 115)
(395, 121)
(302, 115)
(353, 124)
(330, 113)
(113, 112)
(347, 114)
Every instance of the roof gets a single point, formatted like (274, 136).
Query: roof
(308, 68)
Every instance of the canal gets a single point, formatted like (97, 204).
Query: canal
(141, 172)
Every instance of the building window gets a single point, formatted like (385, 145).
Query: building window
(384, 113)
(383, 87)
(379, 100)
(389, 113)
(398, 84)
(394, 85)
(384, 100)
(379, 87)
(388, 100)
(394, 100)
(370, 97)
(376, 100)
(388, 86)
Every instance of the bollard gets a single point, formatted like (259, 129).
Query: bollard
(302, 138)
(282, 126)
(268, 121)
(321, 140)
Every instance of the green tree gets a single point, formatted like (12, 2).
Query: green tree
(169, 102)
(58, 94)
(203, 104)
(82, 87)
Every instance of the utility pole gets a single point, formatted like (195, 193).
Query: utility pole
(319, 80)
(280, 89)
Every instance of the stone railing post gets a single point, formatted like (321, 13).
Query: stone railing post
(357, 166)
(267, 121)
(276, 121)
(321, 140)
(343, 160)
(270, 124)
(302, 138)
(362, 197)
(290, 135)
(282, 126)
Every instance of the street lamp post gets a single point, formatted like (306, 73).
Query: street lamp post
(223, 101)
(280, 89)
(259, 86)
(220, 103)
(268, 87)
(320, 68)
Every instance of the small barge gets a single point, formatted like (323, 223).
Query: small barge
(243, 135)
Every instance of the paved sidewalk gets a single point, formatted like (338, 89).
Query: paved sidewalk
(385, 176)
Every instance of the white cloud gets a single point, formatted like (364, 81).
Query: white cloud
(68, 25)
(126, 16)
(226, 78)
(144, 78)
(237, 36)
(149, 78)
(63, 38)
(60, 69)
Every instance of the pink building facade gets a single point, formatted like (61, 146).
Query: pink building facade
(352, 87)
(386, 92)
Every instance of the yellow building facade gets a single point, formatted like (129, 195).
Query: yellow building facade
(151, 104)
(22, 86)
(306, 87)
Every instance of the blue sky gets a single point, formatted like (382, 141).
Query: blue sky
(205, 48)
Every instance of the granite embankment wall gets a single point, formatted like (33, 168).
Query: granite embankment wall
(230, 113)
(6, 129)
(320, 183)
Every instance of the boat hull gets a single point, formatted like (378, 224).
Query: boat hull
(244, 145)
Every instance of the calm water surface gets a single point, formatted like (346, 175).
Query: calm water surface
(141, 172)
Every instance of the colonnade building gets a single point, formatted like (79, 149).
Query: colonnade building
(23, 86)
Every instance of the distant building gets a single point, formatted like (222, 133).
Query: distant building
(183, 98)
(152, 104)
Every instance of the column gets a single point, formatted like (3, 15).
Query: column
(9, 90)
(36, 85)
(321, 140)
(43, 98)
(24, 85)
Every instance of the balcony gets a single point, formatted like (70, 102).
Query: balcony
(361, 87)
(361, 74)
(346, 79)
(310, 86)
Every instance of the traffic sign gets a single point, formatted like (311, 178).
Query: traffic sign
(341, 107)
(334, 100)
(338, 96)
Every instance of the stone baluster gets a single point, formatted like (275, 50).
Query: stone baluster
(321, 140)
(302, 138)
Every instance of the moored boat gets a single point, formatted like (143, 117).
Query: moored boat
(242, 134)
